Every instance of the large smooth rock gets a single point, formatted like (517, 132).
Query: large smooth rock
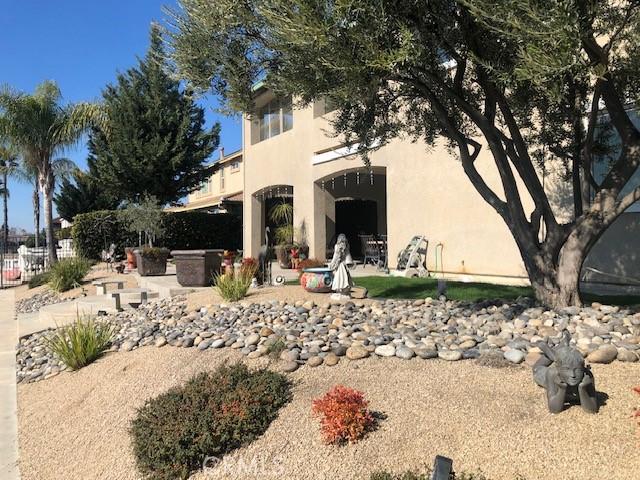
(331, 359)
(450, 355)
(514, 356)
(605, 354)
(625, 355)
(314, 361)
(357, 352)
(385, 350)
(404, 352)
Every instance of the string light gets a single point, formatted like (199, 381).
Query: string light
(323, 185)
(345, 179)
(358, 178)
(371, 177)
(333, 184)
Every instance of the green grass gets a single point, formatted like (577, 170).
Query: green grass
(414, 288)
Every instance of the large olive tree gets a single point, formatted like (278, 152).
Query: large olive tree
(529, 80)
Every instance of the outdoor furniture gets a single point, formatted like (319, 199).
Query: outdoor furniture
(196, 268)
(101, 285)
(374, 250)
(117, 296)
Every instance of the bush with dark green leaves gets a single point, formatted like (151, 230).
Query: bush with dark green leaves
(96, 231)
(211, 415)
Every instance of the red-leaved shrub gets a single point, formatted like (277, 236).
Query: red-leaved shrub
(344, 415)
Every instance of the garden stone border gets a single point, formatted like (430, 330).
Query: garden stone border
(313, 334)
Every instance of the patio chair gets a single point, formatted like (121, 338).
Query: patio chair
(370, 249)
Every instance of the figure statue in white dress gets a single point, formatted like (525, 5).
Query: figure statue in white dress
(342, 281)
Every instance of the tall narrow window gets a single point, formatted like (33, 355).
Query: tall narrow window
(274, 118)
(222, 179)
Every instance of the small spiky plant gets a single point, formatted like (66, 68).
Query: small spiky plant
(81, 342)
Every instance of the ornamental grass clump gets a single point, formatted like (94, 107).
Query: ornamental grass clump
(68, 273)
(344, 415)
(211, 415)
(233, 286)
(81, 342)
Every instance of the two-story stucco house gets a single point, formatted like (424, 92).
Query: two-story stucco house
(223, 189)
(411, 189)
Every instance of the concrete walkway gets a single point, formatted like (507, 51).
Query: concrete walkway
(8, 400)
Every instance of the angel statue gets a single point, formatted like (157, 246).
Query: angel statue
(342, 281)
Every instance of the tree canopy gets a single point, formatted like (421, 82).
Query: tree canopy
(81, 194)
(531, 81)
(42, 127)
(156, 143)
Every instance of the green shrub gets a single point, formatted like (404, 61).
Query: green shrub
(211, 415)
(154, 252)
(68, 273)
(80, 343)
(39, 279)
(63, 233)
(232, 287)
(96, 231)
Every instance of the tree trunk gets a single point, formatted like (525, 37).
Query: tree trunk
(47, 192)
(36, 213)
(5, 198)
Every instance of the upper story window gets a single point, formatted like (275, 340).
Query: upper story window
(222, 178)
(235, 166)
(275, 117)
(204, 187)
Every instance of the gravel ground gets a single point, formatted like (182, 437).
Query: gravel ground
(75, 425)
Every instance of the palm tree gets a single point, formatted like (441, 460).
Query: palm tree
(43, 128)
(8, 162)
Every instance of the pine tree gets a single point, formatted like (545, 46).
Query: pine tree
(82, 195)
(156, 144)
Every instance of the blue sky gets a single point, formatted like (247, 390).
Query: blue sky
(81, 44)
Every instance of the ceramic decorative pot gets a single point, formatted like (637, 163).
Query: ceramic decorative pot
(131, 258)
(316, 280)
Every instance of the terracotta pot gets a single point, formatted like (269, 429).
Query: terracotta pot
(317, 280)
(131, 258)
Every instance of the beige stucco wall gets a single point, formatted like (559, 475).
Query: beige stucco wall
(427, 193)
(233, 181)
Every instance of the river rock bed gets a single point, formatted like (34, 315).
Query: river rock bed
(303, 332)
(39, 300)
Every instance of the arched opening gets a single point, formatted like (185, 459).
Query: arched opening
(356, 206)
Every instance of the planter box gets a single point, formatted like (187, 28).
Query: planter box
(195, 268)
(149, 266)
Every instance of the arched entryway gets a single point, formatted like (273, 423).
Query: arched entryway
(356, 205)
(270, 199)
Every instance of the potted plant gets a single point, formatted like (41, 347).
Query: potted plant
(131, 257)
(145, 218)
(282, 215)
(152, 261)
(196, 268)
